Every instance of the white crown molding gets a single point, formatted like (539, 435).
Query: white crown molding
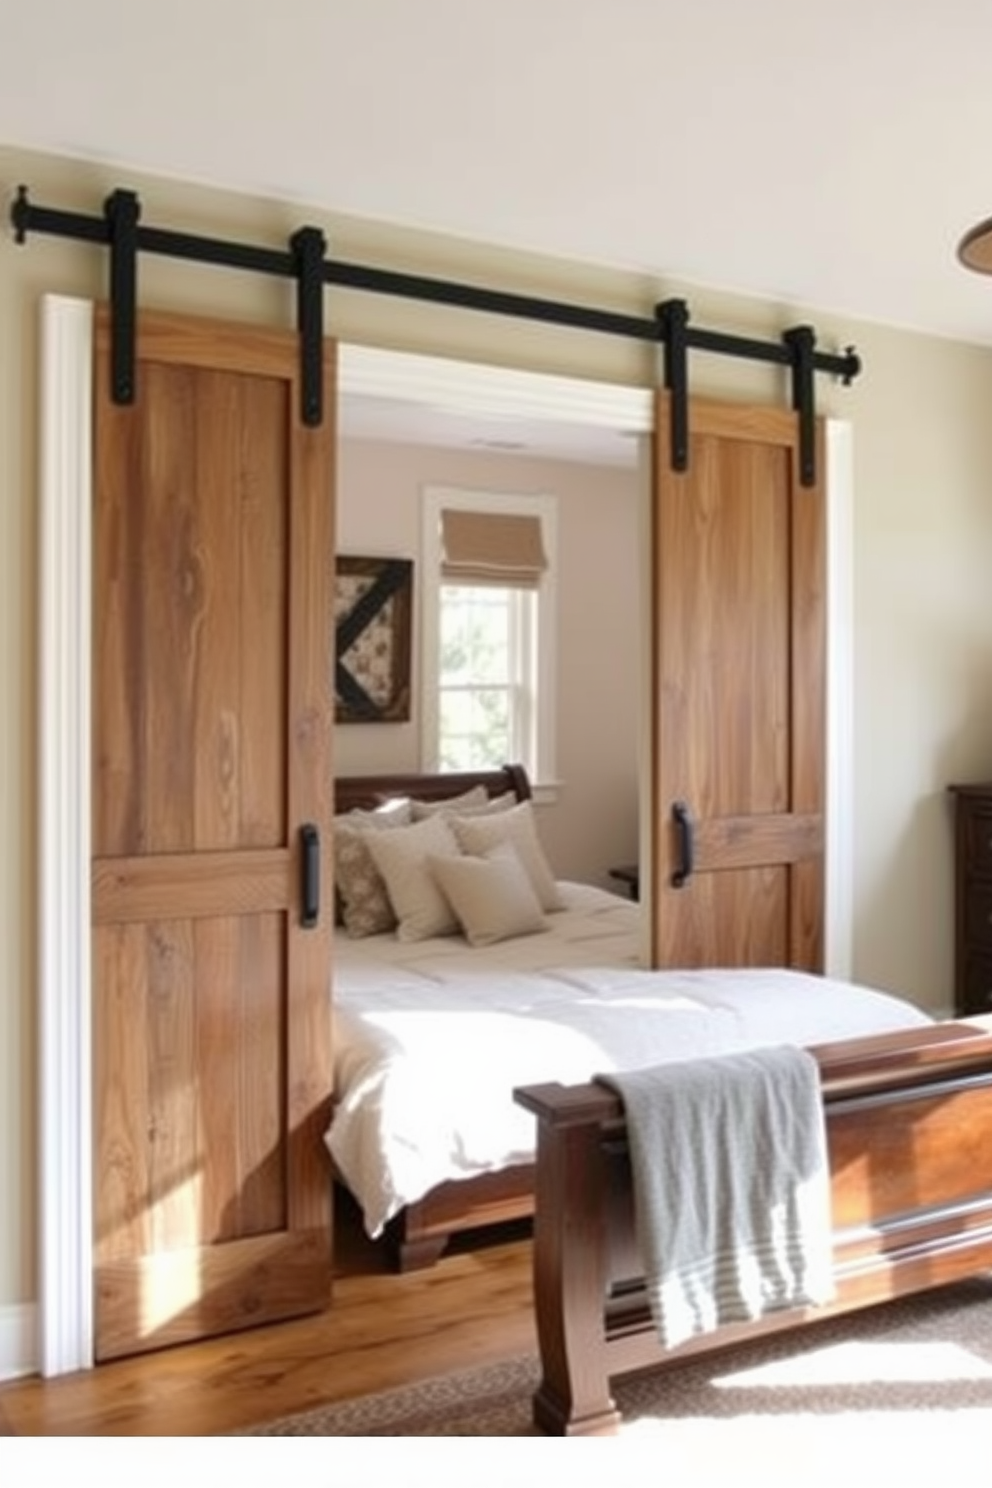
(471, 388)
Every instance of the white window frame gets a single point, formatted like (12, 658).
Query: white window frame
(435, 499)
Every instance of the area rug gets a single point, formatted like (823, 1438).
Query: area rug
(915, 1374)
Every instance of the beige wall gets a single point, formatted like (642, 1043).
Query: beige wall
(922, 537)
(594, 821)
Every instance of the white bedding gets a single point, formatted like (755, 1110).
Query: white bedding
(431, 1038)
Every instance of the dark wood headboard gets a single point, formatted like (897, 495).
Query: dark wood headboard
(367, 791)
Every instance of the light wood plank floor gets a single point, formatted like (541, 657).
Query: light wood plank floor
(383, 1330)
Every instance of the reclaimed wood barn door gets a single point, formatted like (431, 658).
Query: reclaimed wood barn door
(739, 709)
(212, 564)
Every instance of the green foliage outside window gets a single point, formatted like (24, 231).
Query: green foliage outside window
(477, 685)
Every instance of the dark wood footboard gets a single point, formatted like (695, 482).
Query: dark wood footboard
(909, 1126)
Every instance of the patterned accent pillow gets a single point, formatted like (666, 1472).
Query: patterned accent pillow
(360, 891)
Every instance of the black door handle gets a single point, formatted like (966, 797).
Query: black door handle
(310, 844)
(683, 827)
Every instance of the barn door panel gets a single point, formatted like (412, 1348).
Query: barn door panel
(213, 549)
(739, 724)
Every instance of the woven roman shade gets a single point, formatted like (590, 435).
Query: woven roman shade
(491, 548)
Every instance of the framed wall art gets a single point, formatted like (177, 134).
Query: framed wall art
(373, 605)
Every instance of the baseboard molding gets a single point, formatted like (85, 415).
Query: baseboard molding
(18, 1341)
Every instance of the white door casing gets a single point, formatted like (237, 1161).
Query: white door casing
(65, 1220)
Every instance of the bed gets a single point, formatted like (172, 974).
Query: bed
(419, 1233)
(433, 1035)
(908, 1119)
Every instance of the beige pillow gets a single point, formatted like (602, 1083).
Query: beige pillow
(477, 796)
(488, 807)
(492, 897)
(478, 835)
(420, 907)
(361, 899)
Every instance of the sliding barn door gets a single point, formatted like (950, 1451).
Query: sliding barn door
(213, 550)
(739, 713)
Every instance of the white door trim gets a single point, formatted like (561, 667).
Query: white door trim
(839, 916)
(65, 1319)
(64, 955)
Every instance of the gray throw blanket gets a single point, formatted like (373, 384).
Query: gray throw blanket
(731, 1187)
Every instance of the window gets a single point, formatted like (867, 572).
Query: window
(487, 591)
(485, 668)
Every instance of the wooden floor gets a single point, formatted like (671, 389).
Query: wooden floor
(383, 1330)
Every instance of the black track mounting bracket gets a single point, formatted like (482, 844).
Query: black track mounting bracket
(121, 212)
(309, 246)
(305, 261)
(673, 321)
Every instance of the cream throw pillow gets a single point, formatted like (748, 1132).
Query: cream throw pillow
(487, 807)
(493, 896)
(478, 835)
(475, 797)
(400, 856)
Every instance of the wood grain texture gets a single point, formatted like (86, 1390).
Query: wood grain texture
(213, 551)
(738, 674)
(122, 1176)
(190, 885)
(907, 1124)
(309, 786)
(383, 1331)
(177, 1295)
(187, 757)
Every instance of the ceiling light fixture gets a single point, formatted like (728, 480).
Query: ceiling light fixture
(504, 446)
(975, 248)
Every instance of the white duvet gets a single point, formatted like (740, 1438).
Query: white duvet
(431, 1038)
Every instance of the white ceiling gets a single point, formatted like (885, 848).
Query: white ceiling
(404, 421)
(828, 156)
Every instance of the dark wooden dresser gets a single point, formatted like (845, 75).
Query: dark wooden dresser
(973, 898)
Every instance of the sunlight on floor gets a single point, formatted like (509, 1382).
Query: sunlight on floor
(804, 1450)
(874, 1412)
(863, 1363)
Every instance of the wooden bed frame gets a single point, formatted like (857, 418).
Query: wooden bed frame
(909, 1125)
(418, 1236)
